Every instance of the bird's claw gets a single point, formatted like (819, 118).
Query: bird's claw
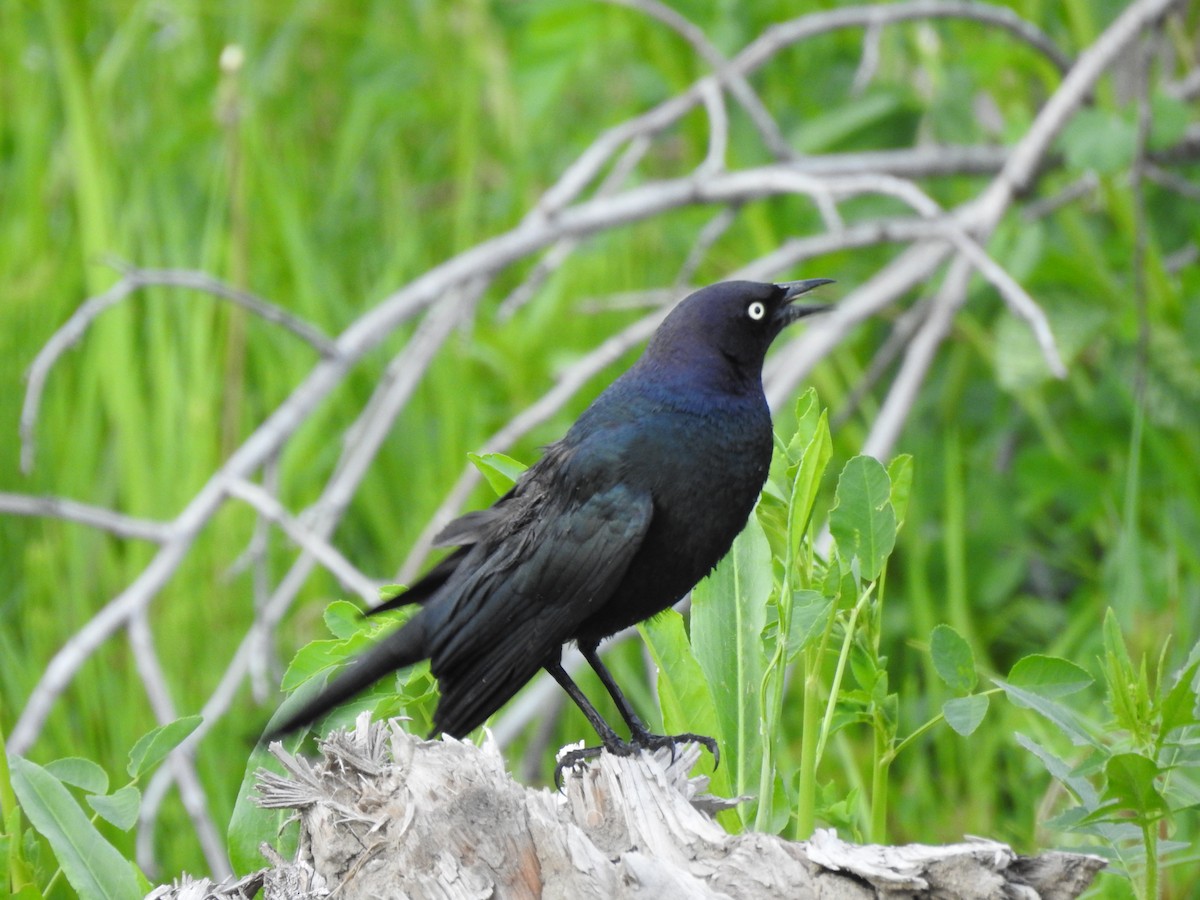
(642, 741)
(650, 741)
(573, 758)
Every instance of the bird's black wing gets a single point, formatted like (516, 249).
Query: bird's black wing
(510, 606)
(464, 532)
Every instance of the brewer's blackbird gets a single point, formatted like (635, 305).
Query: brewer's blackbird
(617, 521)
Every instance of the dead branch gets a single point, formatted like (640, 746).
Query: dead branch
(386, 814)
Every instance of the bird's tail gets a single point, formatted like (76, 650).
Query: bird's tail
(396, 651)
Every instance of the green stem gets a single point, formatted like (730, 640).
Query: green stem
(806, 798)
(1150, 843)
(879, 782)
(10, 826)
(843, 658)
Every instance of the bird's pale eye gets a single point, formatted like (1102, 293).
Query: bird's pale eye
(756, 310)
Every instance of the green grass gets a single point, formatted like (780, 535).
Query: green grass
(373, 141)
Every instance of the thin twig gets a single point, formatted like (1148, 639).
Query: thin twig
(718, 130)
(897, 340)
(917, 359)
(113, 522)
(180, 763)
(763, 121)
(315, 545)
(131, 281)
(709, 235)
(1083, 186)
(558, 254)
(1169, 180)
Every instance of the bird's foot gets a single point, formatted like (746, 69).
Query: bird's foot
(642, 740)
(576, 758)
(649, 741)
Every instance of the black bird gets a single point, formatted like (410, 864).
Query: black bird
(618, 520)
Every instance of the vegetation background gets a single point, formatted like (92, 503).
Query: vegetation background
(344, 149)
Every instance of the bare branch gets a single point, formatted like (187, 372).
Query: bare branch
(764, 122)
(1083, 186)
(180, 763)
(313, 544)
(718, 130)
(580, 173)
(133, 280)
(108, 520)
(1017, 299)
(1027, 156)
(1172, 182)
(868, 64)
(891, 418)
(709, 235)
(561, 251)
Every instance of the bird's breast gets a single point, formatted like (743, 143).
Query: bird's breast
(704, 472)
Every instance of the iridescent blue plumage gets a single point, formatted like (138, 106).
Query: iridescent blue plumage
(618, 520)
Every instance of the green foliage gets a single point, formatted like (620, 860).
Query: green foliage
(500, 471)
(341, 161)
(43, 795)
(1135, 771)
(729, 611)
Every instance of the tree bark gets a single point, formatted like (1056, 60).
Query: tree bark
(387, 814)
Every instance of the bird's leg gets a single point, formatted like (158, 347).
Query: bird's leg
(638, 732)
(610, 739)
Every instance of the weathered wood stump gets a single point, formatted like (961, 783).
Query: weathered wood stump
(385, 814)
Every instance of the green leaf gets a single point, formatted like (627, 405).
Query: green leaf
(1083, 790)
(500, 471)
(91, 864)
(1061, 716)
(1048, 676)
(900, 474)
(1100, 140)
(728, 616)
(316, 657)
(1128, 688)
(343, 619)
(806, 481)
(862, 521)
(1131, 779)
(810, 612)
(119, 808)
(154, 746)
(808, 415)
(1169, 122)
(311, 659)
(1178, 707)
(251, 825)
(964, 714)
(80, 773)
(952, 659)
(683, 694)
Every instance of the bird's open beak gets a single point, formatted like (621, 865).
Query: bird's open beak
(789, 312)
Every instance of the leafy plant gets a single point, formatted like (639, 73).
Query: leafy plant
(1131, 776)
(46, 796)
(821, 618)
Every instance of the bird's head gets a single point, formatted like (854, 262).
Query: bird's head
(732, 320)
